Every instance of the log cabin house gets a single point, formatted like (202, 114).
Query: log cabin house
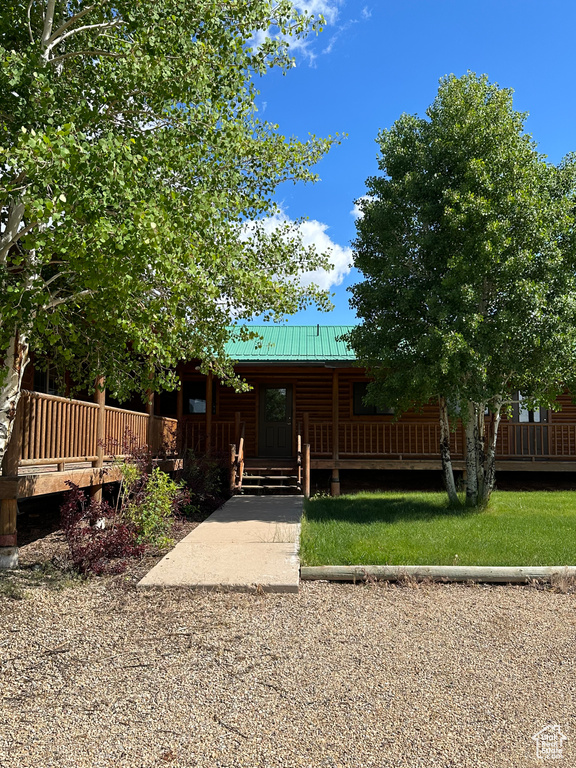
(304, 412)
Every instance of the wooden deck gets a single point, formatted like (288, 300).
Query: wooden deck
(57, 440)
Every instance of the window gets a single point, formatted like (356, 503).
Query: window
(360, 409)
(195, 397)
(524, 416)
(46, 381)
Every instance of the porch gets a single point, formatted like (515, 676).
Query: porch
(57, 440)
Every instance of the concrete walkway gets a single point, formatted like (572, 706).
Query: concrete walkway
(248, 544)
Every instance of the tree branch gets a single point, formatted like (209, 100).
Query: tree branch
(58, 59)
(87, 27)
(48, 22)
(57, 302)
(10, 234)
(54, 277)
(72, 20)
(28, 11)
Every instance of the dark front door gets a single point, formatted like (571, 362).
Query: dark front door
(275, 422)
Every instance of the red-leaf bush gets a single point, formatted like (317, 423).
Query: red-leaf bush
(99, 541)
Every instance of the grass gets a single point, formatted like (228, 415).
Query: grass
(517, 528)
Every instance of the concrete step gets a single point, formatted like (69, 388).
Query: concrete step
(276, 488)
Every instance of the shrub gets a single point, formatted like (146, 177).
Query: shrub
(205, 479)
(99, 539)
(152, 502)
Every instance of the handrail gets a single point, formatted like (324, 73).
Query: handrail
(237, 462)
(299, 454)
(241, 457)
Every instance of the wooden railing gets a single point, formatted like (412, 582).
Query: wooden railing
(54, 429)
(237, 462)
(303, 459)
(57, 430)
(223, 435)
(370, 438)
(163, 435)
(119, 423)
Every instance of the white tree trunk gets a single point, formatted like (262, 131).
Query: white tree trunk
(15, 362)
(471, 431)
(490, 460)
(447, 469)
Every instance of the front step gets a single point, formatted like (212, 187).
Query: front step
(270, 480)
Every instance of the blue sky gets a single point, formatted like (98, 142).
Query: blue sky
(378, 59)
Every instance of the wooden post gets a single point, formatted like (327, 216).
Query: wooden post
(209, 414)
(306, 435)
(232, 469)
(307, 471)
(9, 507)
(181, 436)
(237, 427)
(335, 480)
(150, 426)
(100, 400)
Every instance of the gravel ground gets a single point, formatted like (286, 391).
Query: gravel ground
(97, 674)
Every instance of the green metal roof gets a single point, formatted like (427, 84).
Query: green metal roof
(292, 343)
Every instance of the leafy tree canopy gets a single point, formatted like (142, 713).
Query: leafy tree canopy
(131, 157)
(467, 249)
(466, 246)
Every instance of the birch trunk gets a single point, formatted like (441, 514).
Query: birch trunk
(15, 363)
(471, 431)
(490, 460)
(447, 469)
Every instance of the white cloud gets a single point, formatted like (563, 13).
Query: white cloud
(366, 12)
(356, 212)
(330, 9)
(314, 233)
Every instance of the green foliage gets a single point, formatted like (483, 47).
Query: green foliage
(466, 246)
(518, 528)
(131, 158)
(205, 479)
(149, 505)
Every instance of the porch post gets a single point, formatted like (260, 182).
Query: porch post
(180, 434)
(209, 413)
(9, 507)
(306, 471)
(335, 481)
(150, 426)
(100, 400)
(237, 427)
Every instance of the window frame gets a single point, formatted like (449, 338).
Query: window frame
(368, 410)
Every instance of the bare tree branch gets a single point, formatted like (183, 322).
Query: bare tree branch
(95, 52)
(10, 234)
(53, 278)
(57, 302)
(87, 27)
(48, 23)
(73, 19)
(28, 11)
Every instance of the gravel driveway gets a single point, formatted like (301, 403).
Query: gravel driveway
(100, 675)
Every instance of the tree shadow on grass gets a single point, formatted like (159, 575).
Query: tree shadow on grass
(367, 509)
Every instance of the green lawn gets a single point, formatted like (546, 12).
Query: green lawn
(518, 528)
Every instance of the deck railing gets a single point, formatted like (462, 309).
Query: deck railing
(371, 439)
(57, 430)
(223, 434)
